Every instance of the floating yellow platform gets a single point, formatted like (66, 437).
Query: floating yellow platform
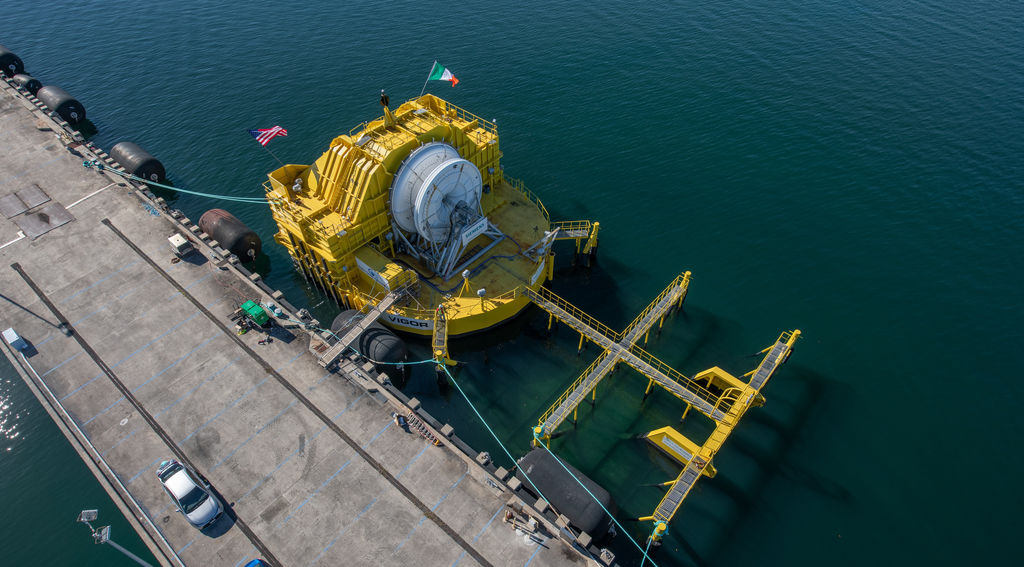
(415, 204)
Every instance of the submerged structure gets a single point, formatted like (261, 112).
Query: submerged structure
(411, 213)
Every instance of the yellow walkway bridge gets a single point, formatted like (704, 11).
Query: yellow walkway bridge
(714, 392)
(739, 400)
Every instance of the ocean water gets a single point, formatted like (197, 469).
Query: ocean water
(851, 169)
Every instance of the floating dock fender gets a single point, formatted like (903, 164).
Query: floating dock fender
(65, 105)
(10, 64)
(139, 162)
(565, 494)
(28, 82)
(375, 343)
(231, 233)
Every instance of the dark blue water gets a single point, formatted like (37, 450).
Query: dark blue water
(852, 169)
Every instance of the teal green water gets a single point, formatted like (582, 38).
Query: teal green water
(851, 169)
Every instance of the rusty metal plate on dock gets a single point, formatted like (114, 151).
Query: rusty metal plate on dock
(36, 224)
(11, 205)
(32, 196)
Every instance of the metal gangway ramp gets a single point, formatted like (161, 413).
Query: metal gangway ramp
(439, 338)
(331, 355)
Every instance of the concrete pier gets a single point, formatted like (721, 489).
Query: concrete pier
(133, 355)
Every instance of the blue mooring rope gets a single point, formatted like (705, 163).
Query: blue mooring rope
(646, 557)
(99, 166)
(536, 437)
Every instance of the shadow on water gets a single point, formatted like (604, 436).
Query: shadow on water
(261, 265)
(593, 289)
(87, 128)
(771, 460)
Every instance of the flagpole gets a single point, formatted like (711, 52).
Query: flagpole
(424, 89)
(274, 156)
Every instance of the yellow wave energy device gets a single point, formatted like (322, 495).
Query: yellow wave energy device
(415, 205)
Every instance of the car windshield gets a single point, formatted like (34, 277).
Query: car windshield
(193, 499)
(168, 472)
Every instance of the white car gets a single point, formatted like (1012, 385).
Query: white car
(190, 492)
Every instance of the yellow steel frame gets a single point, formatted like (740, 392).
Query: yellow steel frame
(740, 400)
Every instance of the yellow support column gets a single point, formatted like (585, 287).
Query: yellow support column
(592, 241)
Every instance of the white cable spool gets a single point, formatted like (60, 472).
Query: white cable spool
(428, 186)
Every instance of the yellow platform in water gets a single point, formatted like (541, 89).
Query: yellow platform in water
(677, 446)
(416, 200)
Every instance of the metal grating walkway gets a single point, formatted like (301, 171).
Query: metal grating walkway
(620, 347)
(331, 355)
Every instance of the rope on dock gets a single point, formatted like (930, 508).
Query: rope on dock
(101, 167)
(503, 448)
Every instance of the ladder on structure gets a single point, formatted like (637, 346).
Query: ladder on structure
(439, 338)
(580, 231)
(331, 355)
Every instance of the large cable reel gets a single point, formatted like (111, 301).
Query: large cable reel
(428, 186)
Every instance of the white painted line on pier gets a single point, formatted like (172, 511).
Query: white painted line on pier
(20, 236)
(90, 195)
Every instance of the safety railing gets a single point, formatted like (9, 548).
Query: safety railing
(728, 399)
(469, 117)
(518, 185)
(568, 392)
(671, 373)
(681, 281)
(542, 295)
(571, 230)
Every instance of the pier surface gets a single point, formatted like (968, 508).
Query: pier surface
(133, 355)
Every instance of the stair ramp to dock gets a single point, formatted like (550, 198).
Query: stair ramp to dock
(332, 354)
(439, 338)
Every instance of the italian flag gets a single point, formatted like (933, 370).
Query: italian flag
(439, 73)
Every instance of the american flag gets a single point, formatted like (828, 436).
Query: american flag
(264, 135)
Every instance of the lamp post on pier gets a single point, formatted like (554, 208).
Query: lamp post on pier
(102, 535)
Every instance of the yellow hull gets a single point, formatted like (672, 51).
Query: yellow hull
(339, 221)
(466, 317)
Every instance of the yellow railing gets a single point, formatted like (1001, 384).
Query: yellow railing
(730, 397)
(569, 230)
(469, 117)
(518, 185)
(357, 128)
(573, 311)
(568, 392)
(682, 280)
(673, 374)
